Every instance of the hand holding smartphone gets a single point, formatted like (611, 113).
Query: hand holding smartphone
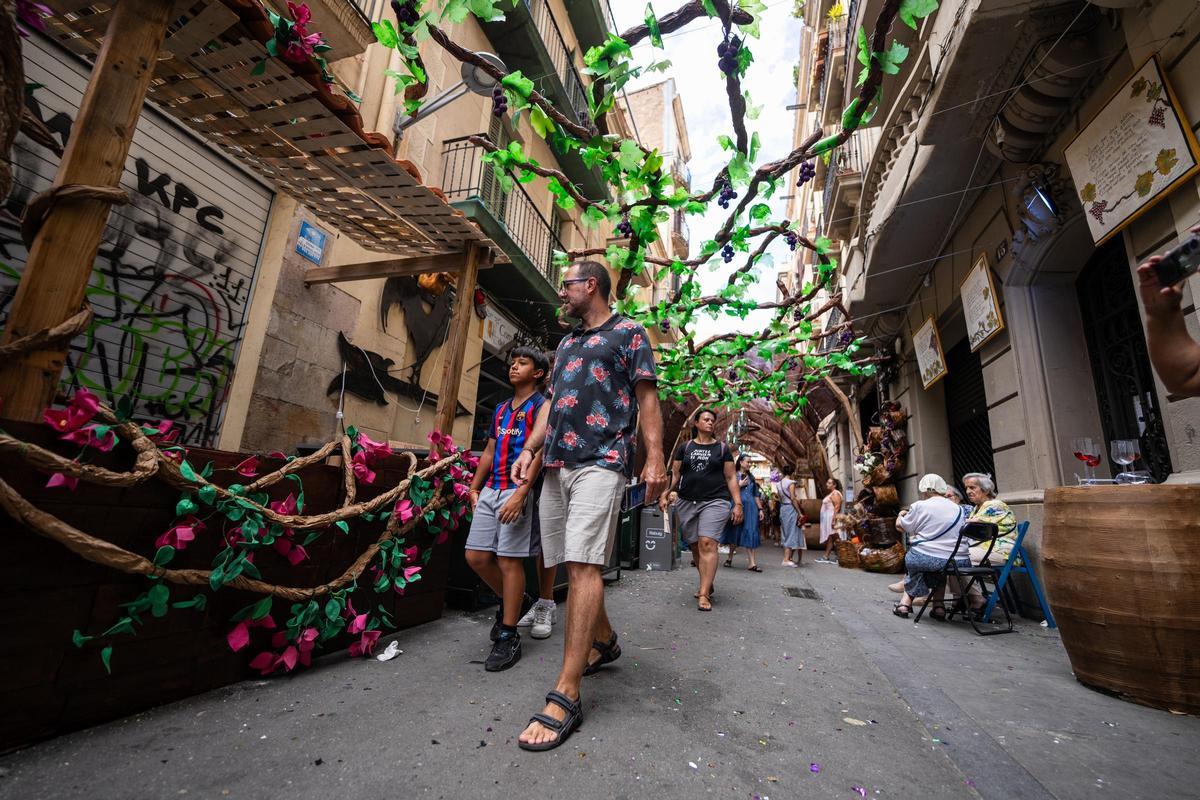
(1180, 262)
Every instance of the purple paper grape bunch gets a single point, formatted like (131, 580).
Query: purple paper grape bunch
(727, 194)
(499, 101)
(406, 12)
(624, 228)
(727, 253)
(728, 55)
(791, 239)
(808, 171)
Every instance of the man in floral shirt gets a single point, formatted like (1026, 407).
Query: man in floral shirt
(603, 379)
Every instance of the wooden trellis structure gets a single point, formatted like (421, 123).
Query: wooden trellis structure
(205, 62)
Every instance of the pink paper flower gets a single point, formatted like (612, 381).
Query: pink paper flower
(86, 436)
(410, 553)
(239, 636)
(182, 534)
(248, 468)
(300, 13)
(293, 552)
(411, 573)
(277, 454)
(285, 506)
(358, 624)
(80, 409)
(374, 450)
(361, 470)
(405, 510)
(365, 645)
(62, 479)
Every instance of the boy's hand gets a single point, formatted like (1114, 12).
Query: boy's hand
(514, 507)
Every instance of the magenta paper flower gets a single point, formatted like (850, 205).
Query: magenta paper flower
(80, 410)
(87, 437)
(31, 14)
(461, 490)
(358, 624)
(410, 553)
(62, 479)
(362, 471)
(248, 468)
(286, 506)
(182, 534)
(365, 644)
(374, 450)
(294, 553)
(277, 454)
(300, 13)
(301, 47)
(239, 636)
(164, 432)
(405, 510)
(412, 573)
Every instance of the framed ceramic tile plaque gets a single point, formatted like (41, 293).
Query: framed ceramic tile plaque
(931, 361)
(981, 307)
(1133, 153)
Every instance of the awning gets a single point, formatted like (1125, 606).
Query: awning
(283, 123)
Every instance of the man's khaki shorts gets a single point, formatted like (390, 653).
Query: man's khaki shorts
(578, 510)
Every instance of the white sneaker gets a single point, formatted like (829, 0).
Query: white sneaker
(527, 620)
(543, 621)
(823, 560)
(788, 564)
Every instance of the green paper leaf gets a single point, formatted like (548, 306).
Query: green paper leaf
(207, 494)
(342, 525)
(652, 25)
(164, 555)
(259, 68)
(185, 506)
(541, 123)
(385, 33)
(106, 658)
(79, 640)
(160, 596)
(518, 83)
(913, 10)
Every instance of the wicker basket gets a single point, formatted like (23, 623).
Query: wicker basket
(847, 553)
(885, 496)
(881, 532)
(888, 560)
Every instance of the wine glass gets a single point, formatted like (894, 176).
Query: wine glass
(1125, 451)
(1084, 448)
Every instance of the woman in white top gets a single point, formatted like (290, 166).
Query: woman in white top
(831, 506)
(932, 525)
(790, 520)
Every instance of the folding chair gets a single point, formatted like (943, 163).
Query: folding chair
(969, 576)
(1018, 562)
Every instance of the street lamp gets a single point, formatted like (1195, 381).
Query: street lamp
(474, 80)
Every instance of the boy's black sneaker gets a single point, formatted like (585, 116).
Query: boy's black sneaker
(526, 604)
(505, 652)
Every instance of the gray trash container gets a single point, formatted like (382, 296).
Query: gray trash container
(657, 542)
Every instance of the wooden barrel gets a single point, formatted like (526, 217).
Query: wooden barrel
(1121, 567)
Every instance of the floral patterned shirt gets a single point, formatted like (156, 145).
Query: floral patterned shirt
(593, 409)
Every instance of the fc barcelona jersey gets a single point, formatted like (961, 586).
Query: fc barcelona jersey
(510, 429)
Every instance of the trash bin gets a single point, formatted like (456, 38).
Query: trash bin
(657, 542)
(627, 526)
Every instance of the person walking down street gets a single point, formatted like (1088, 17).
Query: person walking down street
(831, 506)
(603, 383)
(790, 516)
(746, 534)
(709, 497)
(501, 535)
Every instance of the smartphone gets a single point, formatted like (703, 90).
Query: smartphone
(1180, 262)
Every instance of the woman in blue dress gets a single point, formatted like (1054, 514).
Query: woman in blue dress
(746, 534)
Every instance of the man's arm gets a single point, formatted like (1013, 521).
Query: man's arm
(1173, 352)
(654, 473)
(735, 491)
(522, 468)
(676, 473)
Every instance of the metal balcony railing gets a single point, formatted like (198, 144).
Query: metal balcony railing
(847, 160)
(679, 167)
(372, 10)
(465, 176)
(679, 226)
(560, 57)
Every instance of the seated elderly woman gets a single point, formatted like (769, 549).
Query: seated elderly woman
(981, 491)
(932, 524)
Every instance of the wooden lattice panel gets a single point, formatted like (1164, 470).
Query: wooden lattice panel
(274, 123)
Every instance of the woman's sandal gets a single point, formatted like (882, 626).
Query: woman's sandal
(711, 592)
(938, 613)
(907, 610)
(755, 568)
(704, 603)
(729, 561)
(563, 728)
(609, 653)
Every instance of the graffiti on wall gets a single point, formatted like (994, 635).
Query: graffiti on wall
(169, 290)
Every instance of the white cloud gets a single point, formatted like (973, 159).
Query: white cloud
(693, 55)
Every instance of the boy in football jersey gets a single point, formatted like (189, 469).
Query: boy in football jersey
(501, 536)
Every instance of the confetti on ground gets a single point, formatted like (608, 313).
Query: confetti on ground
(814, 768)
(853, 721)
(692, 764)
(862, 792)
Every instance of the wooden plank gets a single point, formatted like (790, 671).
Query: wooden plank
(390, 268)
(455, 350)
(60, 260)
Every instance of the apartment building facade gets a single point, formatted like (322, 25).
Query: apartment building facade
(964, 164)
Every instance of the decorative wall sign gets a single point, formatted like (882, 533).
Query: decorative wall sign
(930, 358)
(1133, 153)
(981, 306)
(310, 243)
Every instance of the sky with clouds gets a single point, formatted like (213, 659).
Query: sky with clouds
(693, 55)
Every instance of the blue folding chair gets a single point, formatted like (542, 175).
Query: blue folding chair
(1018, 562)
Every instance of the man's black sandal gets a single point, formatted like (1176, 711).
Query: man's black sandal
(562, 728)
(609, 653)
